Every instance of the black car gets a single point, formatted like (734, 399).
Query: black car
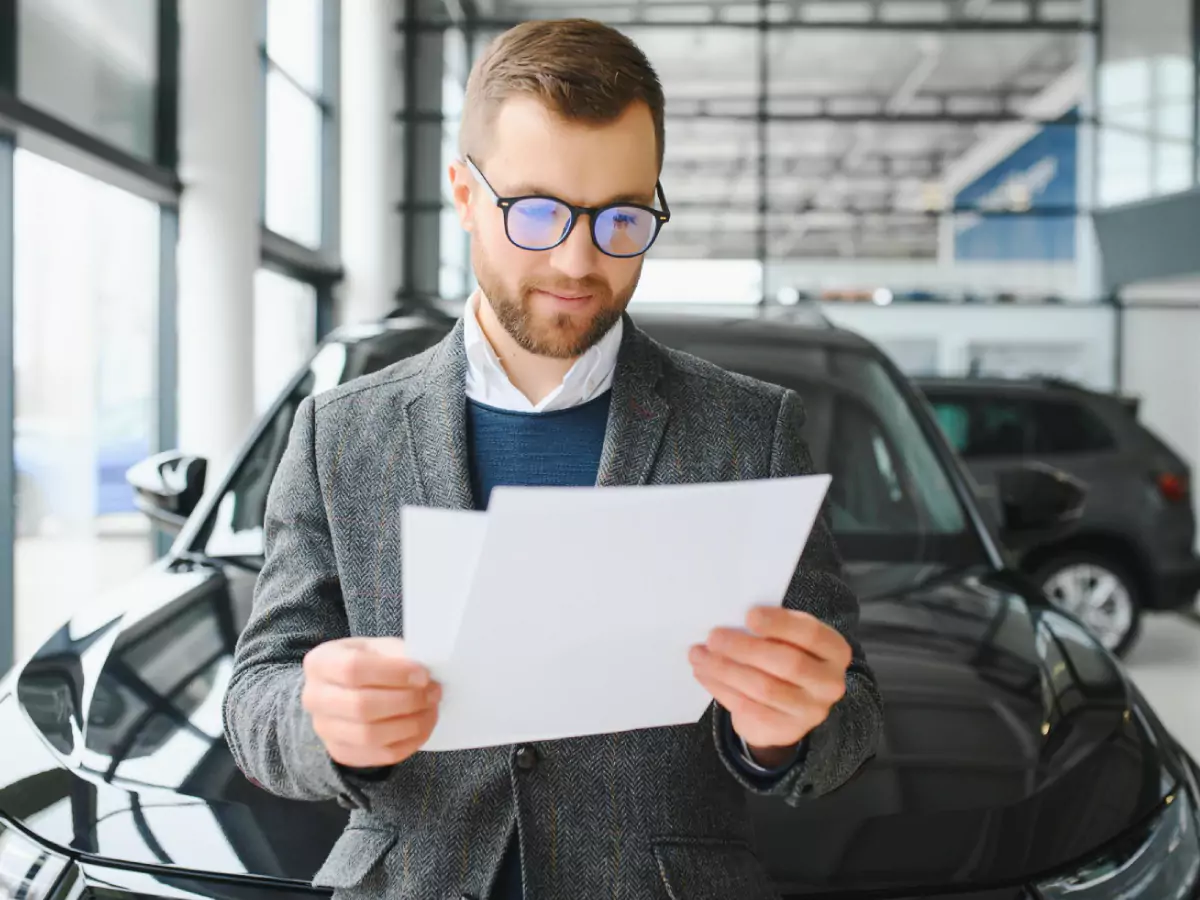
(1133, 548)
(1017, 763)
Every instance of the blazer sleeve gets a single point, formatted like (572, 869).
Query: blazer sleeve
(837, 748)
(297, 605)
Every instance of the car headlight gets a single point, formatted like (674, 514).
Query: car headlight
(28, 871)
(1159, 861)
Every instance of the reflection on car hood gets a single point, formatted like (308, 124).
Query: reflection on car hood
(1009, 746)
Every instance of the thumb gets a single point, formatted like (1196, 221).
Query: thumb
(390, 647)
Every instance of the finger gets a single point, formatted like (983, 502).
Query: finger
(755, 721)
(392, 647)
(756, 684)
(354, 666)
(376, 734)
(367, 704)
(785, 661)
(366, 757)
(801, 630)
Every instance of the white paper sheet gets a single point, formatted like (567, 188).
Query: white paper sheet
(582, 603)
(441, 549)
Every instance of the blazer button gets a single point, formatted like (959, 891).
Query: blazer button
(527, 758)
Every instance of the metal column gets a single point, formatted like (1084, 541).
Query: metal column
(423, 176)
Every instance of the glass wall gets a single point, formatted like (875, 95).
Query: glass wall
(295, 104)
(285, 332)
(86, 283)
(1146, 100)
(93, 64)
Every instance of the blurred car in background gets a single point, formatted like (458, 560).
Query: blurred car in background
(50, 455)
(1133, 548)
(1017, 759)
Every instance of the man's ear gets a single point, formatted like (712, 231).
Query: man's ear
(461, 185)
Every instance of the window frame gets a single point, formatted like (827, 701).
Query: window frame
(319, 266)
(153, 178)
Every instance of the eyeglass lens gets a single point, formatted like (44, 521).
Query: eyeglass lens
(538, 224)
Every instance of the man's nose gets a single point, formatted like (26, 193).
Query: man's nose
(576, 256)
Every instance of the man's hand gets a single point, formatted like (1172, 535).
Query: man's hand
(370, 704)
(778, 682)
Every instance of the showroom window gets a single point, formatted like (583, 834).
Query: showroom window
(93, 64)
(285, 333)
(301, 186)
(86, 289)
(298, 115)
(1146, 101)
(90, 143)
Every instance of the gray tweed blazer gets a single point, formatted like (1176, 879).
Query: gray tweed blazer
(658, 813)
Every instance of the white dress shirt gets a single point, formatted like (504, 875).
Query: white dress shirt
(488, 383)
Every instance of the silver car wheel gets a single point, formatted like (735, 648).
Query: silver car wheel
(1097, 597)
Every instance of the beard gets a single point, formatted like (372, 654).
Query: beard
(562, 335)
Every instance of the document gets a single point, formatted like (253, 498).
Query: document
(563, 612)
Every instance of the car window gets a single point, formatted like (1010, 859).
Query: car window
(890, 496)
(868, 493)
(235, 527)
(984, 427)
(1062, 427)
(955, 422)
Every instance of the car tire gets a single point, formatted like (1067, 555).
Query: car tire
(1102, 594)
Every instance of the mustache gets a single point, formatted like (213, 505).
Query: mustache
(568, 287)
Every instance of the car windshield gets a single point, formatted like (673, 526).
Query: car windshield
(891, 499)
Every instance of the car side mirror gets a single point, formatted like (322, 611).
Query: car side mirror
(168, 486)
(1036, 499)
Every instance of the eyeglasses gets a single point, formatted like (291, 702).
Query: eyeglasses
(538, 222)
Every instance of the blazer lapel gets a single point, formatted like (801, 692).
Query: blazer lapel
(437, 422)
(637, 418)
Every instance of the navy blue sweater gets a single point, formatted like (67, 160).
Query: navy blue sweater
(559, 448)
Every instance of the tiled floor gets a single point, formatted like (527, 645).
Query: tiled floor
(1165, 663)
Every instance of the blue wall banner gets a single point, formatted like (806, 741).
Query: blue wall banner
(1039, 174)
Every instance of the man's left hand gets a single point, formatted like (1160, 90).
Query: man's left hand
(779, 681)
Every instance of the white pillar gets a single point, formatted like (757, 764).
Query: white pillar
(371, 95)
(221, 128)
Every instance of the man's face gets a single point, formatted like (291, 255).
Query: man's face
(557, 302)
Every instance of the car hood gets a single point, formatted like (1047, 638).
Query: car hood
(1011, 744)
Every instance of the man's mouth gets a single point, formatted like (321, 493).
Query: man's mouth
(568, 297)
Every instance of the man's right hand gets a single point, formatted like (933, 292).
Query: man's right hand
(370, 704)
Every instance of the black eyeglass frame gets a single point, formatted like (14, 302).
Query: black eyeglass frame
(661, 217)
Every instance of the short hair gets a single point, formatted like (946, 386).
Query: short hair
(581, 69)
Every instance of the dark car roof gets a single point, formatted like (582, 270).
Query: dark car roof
(1038, 385)
(760, 329)
(789, 325)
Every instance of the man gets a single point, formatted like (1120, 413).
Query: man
(545, 381)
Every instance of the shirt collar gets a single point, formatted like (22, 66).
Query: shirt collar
(487, 382)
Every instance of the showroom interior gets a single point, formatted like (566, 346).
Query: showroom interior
(195, 194)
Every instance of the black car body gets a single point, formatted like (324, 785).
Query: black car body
(1016, 757)
(1136, 536)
